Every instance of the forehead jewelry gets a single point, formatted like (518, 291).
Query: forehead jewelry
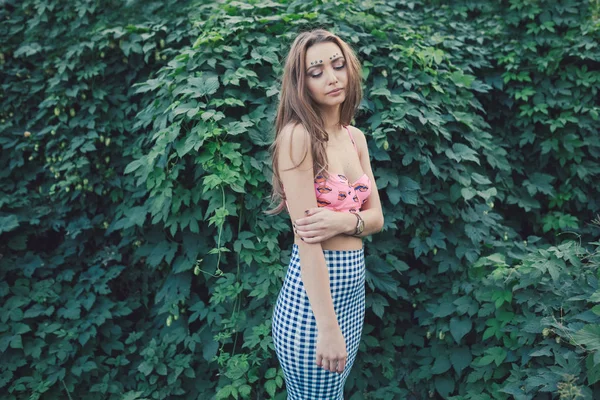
(333, 56)
(316, 62)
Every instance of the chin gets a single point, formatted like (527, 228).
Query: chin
(333, 102)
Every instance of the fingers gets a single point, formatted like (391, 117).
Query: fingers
(309, 233)
(309, 216)
(312, 239)
(315, 235)
(334, 365)
(341, 365)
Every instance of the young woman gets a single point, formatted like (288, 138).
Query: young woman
(322, 174)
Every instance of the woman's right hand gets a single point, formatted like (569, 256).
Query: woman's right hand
(331, 349)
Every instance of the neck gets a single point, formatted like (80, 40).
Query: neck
(331, 118)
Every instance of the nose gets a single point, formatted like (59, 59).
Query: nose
(330, 73)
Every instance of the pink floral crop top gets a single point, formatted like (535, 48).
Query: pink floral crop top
(338, 194)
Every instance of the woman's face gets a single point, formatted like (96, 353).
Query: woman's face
(326, 74)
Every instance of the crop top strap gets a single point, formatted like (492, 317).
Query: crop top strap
(352, 139)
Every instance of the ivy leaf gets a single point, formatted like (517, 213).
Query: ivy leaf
(190, 108)
(593, 370)
(589, 337)
(497, 355)
(441, 310)
(444, 385)
(461, 79)
(266, 54)
(460, 152)
(441, 365)
(9, 223)
(136, 216)
(468, 193)
(236, 368)
(460, 327)
(541, 183)
(204, 85)
(406, 191)
(378, 275)
(461, 358)
(194, 140)
(271, 387)
(486, 194)
(378, 304)
(132, 395)
(145, 368)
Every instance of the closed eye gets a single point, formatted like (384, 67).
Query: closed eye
(320, 73)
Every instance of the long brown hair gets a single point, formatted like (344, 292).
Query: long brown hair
(297, 107)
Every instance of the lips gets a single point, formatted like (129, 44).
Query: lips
(335, 91)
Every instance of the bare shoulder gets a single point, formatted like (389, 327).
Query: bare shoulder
(293, 133)
(359, 137)
(294, 144)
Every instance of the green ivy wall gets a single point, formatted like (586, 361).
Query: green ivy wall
(136, 262)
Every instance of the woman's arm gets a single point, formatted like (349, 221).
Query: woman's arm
(320, 224)
(371, 212)
(294, 149)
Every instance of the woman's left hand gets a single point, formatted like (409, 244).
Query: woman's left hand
(320, 224)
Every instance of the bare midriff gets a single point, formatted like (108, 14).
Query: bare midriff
(340, 242)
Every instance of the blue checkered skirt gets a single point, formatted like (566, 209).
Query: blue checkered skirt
(294, 327)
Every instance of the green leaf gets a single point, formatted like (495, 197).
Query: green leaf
(498, 354)
(539, 182)
(271, 387)
(265, 54)
(145, 368)
(270, 374)
(378, 275)
(132, 395)
(441, 365)
(236, 368)
(468, 193)
(378, 304)
(461, 152)
(460, 327)
(224, 392)
(406, 191)
(461, 358)
(461, 79)
(444, 385)
(593, 370)
(8, 223)
(205, 85)
(244, 391)
(136, 216)
(20, 328)
(589, 337)
(161, 369)
(16, 342)
(486, 194)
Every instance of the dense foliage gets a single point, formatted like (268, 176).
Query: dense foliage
(136, 262)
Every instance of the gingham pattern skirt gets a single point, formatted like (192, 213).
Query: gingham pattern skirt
(294, 326)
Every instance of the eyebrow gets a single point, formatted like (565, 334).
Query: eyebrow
(321, 63)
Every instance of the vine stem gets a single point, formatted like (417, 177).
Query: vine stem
(68, 393)
(220, 232)
(238, 301)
